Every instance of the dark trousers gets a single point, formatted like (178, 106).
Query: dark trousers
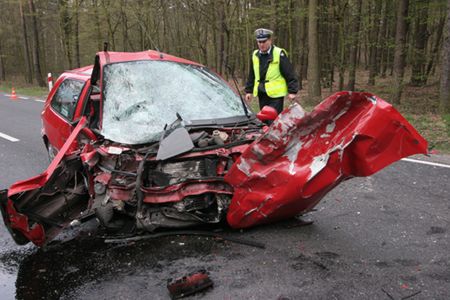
(276, 103)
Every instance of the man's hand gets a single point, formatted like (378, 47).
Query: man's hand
(248, 97)
(292, 97)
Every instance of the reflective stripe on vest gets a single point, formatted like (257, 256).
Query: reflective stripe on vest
(275, 83)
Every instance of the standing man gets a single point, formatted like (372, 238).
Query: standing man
(271, 75)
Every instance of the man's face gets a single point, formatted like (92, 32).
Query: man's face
(264, 46)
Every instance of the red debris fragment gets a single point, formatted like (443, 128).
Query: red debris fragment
(188, 285)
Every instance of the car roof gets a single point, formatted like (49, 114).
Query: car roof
(114, 57)
(82, 73)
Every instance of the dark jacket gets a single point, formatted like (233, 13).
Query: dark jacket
(286, 70)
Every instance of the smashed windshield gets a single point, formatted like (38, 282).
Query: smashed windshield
(140, 97)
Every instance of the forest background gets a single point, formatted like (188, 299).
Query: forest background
(397, 49)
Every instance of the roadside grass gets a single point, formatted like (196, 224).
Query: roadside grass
(24, 89)
(433, 128)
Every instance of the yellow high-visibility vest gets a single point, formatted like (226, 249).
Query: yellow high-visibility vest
(275, 84)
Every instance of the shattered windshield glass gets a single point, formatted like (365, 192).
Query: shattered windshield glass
(140, 97)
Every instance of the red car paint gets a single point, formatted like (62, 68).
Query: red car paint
(276, 172)
(55, 128)
(293, 165)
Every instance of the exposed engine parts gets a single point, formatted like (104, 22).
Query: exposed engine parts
(175, 193)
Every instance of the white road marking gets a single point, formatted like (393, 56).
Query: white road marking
(39, 100)
(426, 162)
(8, 137)
(24, 98)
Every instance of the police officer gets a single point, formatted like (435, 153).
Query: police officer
(271, 75)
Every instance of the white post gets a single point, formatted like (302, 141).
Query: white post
(50, 81)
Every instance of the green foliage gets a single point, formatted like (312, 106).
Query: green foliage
(446, 119)
(220, 32)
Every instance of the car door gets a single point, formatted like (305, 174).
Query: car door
(59, 112)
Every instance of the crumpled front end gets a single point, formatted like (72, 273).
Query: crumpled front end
(302, 156)
(38, 208)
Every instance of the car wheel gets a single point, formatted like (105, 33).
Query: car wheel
(51, 152)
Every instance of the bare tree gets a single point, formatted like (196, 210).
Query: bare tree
(65, 21)
(313, 53)
(436, 46)
(26, 48)
(2, 65)
(356, 12)
(36, 58)
(76, 8)
(444, 105)
(400, 49)
(373, 42)
(418, 76)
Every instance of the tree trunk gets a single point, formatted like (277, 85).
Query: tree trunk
(65, 21)
(289, 21)
(399, 54)
(313, 53)
(418, 76)
(356, 12)
(385, 38)
(77, 33)
(444, 95)
(222, 36)
(36, 59)
(302, 63)
(330, 38)
(2, 65)
(97, 25)
(26, 47)
(435, 49)
(342, 52)
(111, 27)
(375, 27)
(124, 21)
(381, 42)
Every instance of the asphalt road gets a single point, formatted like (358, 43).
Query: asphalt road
(380, 237)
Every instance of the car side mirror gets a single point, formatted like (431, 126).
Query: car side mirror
(267, 113)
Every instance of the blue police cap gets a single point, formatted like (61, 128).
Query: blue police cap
(263, 34)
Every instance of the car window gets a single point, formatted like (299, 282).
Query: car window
(140, 97)
(66, 97)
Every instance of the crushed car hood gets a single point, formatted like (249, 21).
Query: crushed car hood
(303, 156)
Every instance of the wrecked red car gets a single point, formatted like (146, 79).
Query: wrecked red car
(164, 143)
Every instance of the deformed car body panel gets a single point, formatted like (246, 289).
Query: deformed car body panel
(30, 205)
(302, 157)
